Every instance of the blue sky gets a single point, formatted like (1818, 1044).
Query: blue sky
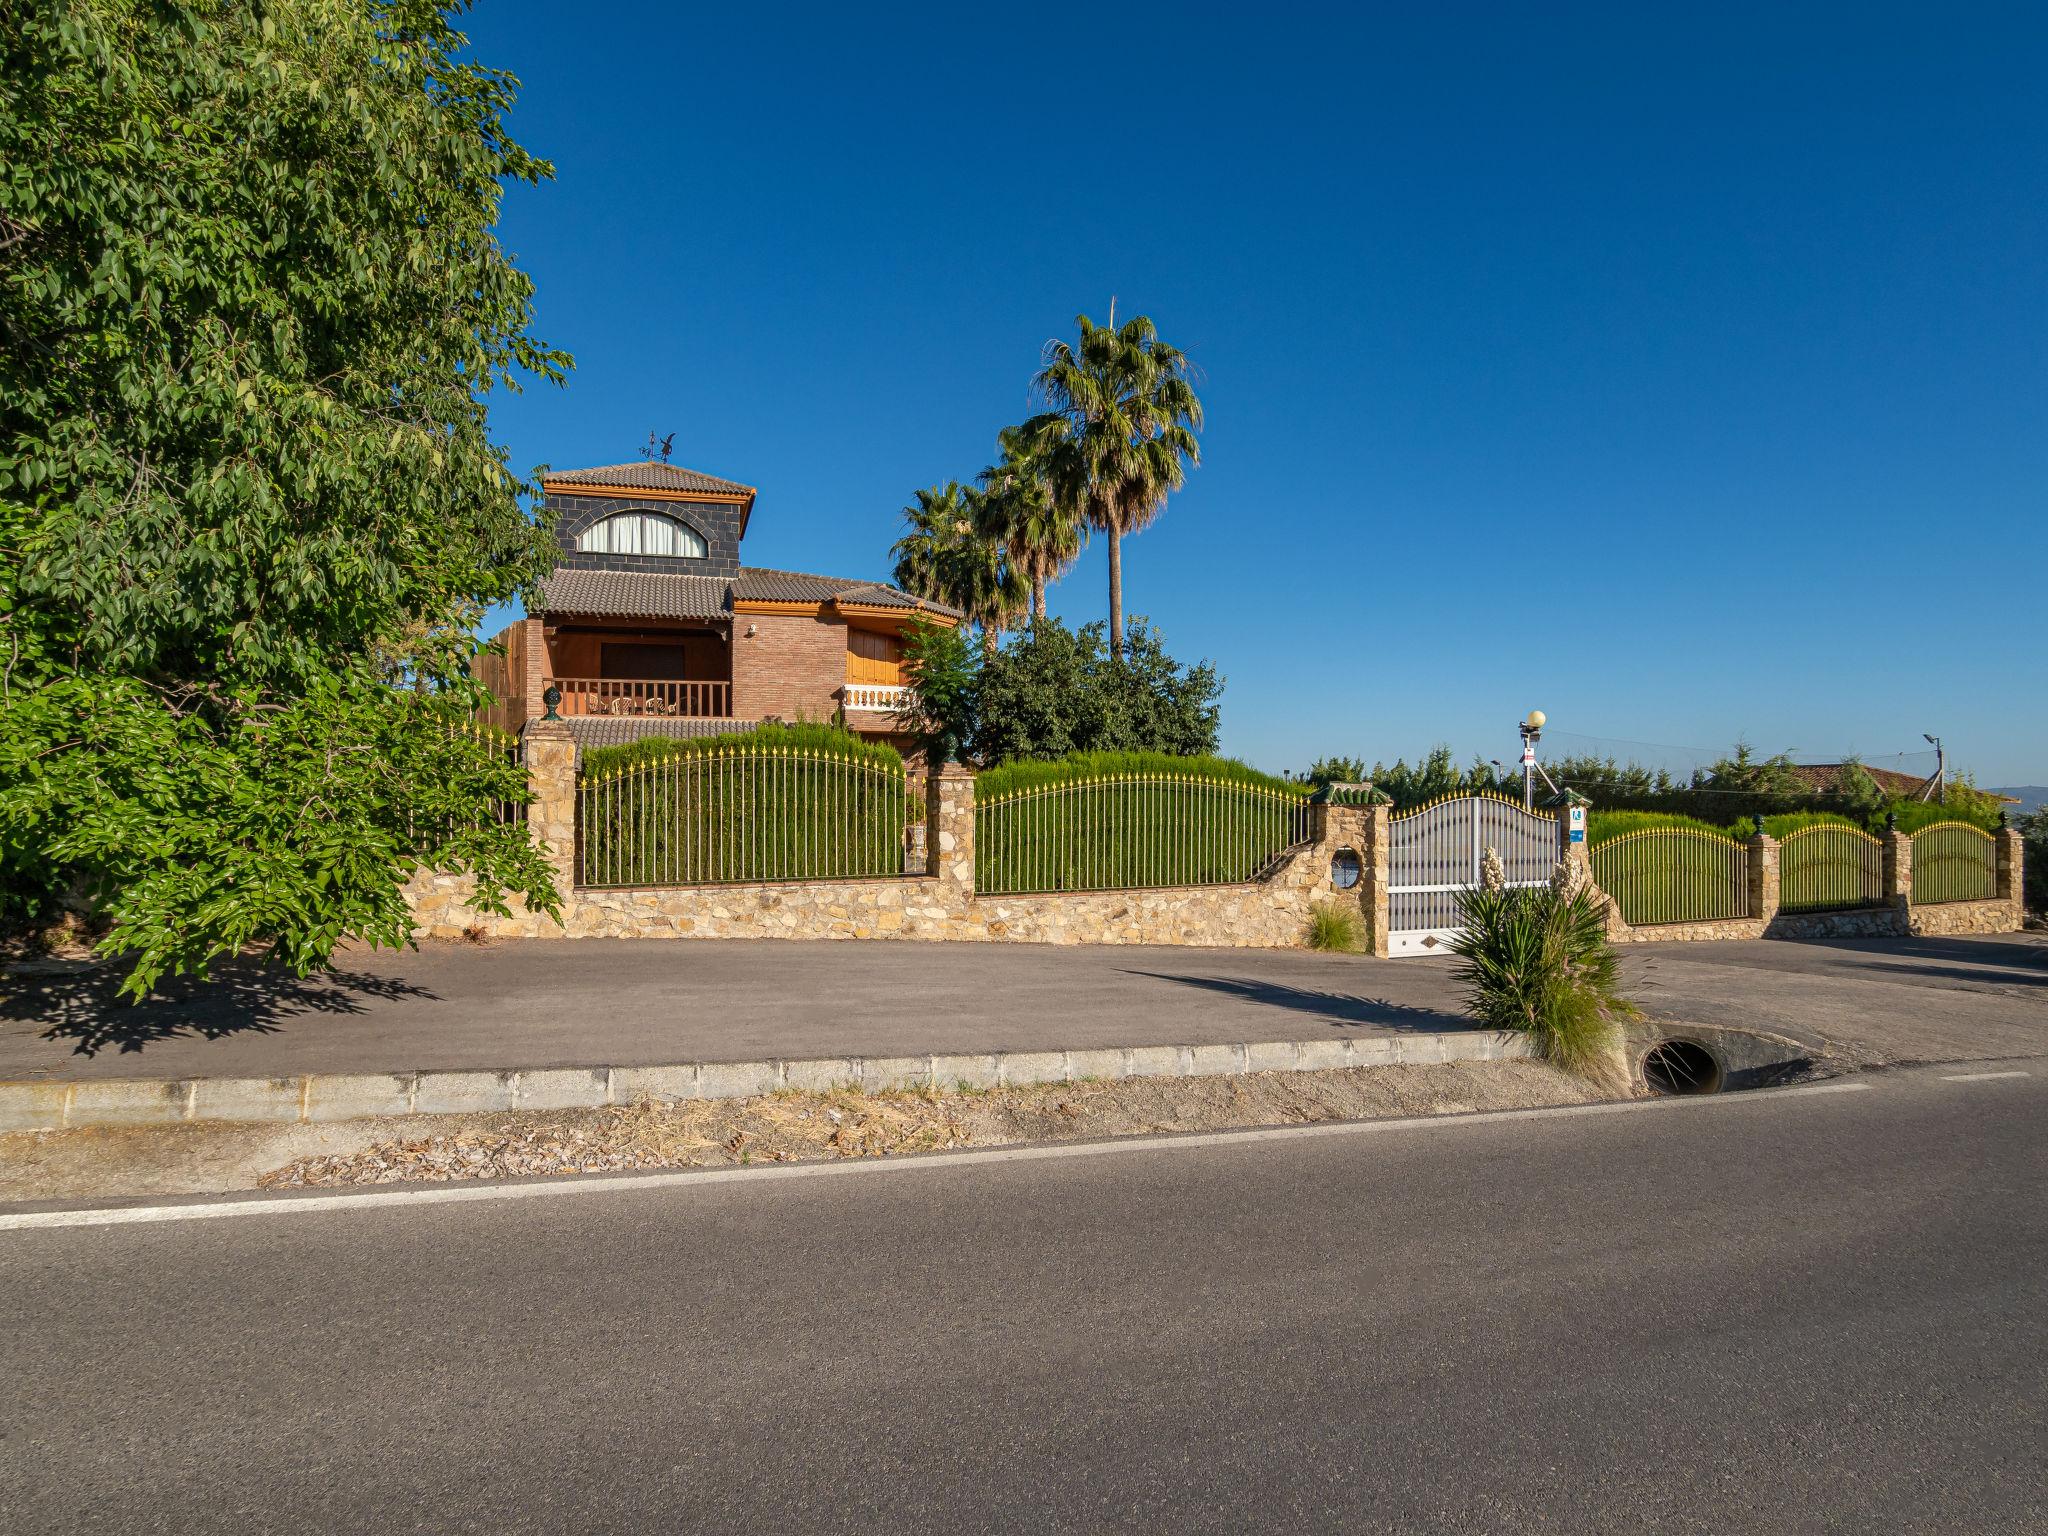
(1684, 375)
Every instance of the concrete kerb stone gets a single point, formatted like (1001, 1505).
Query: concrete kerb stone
(33, 1106)
(821, 1075)
(1024, 1069)
(738, 1079)
(563, 1088)
(342, 1096)
(246, 1099)
(462, 1093)
(357, 1096)
(966, 1072)
(655, 1085)
(126, 1101)
(882, 1074)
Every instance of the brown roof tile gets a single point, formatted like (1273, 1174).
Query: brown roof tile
(656, 595)
(635, 595)
(760, 584)
(1821, 777)
(648, 475)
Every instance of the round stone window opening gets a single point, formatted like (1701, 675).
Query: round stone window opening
(1345, 868)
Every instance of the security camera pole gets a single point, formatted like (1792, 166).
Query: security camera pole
(1939, 789)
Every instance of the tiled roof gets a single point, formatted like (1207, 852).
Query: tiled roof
(648, 475)
(615, 730)
(762, 585)
(635, 594)
(658, 595)
(1821, 777)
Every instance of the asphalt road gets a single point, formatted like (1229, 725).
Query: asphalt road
(526, 1005)
(1792, 1311)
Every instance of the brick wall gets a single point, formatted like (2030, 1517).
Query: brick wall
(792, 666)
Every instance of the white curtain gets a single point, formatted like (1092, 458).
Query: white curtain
(642, 533)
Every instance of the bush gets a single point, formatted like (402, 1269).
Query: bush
(1538, 962)
(829, 739)
(2034, 829)
(1126, 820)
(782, 802)
(1334, 928)
(1033, 774)
(1053, 691)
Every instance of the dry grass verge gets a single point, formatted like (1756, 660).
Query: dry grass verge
(778, 1128)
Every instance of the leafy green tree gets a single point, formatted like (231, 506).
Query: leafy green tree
(252, 306)
(943, 555)
(944, 687)
(1118, 434)
(1040, 533)
(1054, 691)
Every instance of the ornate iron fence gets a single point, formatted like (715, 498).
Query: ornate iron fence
(1132, 832)
(742, 815)
(1674, 875)
(1954, 861)
(1829, 868)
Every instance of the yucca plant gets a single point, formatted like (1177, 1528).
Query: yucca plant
(1538, 961)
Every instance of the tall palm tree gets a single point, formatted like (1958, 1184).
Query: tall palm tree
(943, 557)
(1040, 532)
(1120, 429)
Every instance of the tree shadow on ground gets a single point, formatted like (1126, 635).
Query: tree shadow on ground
(83, 1005)
(1341, 1010)
(2021, 953)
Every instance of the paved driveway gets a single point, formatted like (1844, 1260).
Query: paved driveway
(622, 1003)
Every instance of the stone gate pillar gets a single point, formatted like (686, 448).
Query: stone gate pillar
(1763, 874)
(1898, 869)
(949, 830)
(1377, 857)
(2012, 872)
(550, 753)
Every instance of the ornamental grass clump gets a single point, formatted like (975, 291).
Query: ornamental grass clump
(1334, 928)
(1537, 961)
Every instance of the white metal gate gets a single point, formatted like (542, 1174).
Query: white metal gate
(1436, 852)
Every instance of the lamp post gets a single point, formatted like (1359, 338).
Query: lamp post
(1531, 727)
(1940, 767)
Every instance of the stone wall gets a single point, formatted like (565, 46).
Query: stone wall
(938, 905)
(941, 903)
(1897, 917)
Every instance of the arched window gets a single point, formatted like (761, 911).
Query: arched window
(642, 533)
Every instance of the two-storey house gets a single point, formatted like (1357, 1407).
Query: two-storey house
(651, 623)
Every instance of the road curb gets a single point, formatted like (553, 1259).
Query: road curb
(326, 1096)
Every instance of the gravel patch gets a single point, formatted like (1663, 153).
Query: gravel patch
(776, 1128)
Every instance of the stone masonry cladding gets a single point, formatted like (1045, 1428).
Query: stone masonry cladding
(941, 903)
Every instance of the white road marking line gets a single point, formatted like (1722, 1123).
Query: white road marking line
(1983, 1077)
(604, 1184)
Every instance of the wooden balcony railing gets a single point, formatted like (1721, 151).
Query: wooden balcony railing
(642, 696)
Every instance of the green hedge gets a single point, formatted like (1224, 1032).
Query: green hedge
(800, 802)
(1028, 773)
(1130, 820)
(1605, 826)
(830, 739)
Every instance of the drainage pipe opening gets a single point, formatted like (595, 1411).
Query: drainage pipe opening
(1682, 1066)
